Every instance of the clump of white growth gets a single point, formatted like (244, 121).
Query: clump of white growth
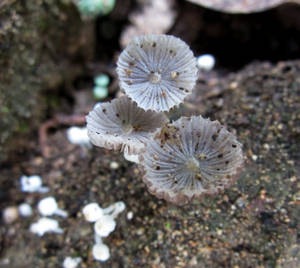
(32, 184)
(25, 210)
(206, 62)
(70, 262)
(48, 207)
(45, 225)
(79, 136)
(105, 223)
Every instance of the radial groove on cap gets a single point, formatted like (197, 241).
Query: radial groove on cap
(191, 157)
(157, 71)
(121, 125)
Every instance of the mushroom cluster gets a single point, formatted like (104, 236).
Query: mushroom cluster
(181, 160)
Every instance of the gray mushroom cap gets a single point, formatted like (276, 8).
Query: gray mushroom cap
(121, 125)
(157, 71)
(191, 157)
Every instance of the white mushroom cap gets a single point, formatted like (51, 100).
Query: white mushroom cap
(120, 124)
(48, 207)
(92, 212)
(79, 136)
(191, 157)
(101, 252)
(206, 62)
(45, 225)
(105, 225)
(25, 210)
(70, 262)
(157, 71)
(32, 184)
(10, 214)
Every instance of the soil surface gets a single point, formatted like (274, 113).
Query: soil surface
(255, 223)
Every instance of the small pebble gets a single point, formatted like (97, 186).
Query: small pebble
(254, 157)
(114, 165)
(10, 214)
(206, 62)
(130, 215)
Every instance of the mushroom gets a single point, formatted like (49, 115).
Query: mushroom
(48, 207)
(100, 252)
(191, 157)
(120, 124)
(157, 71)
(45, 225)
(104, 226)
(32, 184)
(92, 212)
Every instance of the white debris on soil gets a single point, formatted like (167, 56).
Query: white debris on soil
(206, 62)
(79, 136)
(130, 215)
(25, 210)
(10, 214)
(114, 165)
(48, 207)
(92, 212)
(32, 184)
(101, 252)
(104, 224)
(45, 225)
(70, 262)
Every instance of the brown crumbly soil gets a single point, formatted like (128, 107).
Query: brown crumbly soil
(252, 224)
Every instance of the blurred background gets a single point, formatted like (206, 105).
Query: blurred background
(58, 59)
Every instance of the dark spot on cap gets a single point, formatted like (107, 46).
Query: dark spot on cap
(117, 115)
(123, 121)
(153, 44)
(214, 137)
(181, 88)
(220, 155)
(157, 167)
(171, 51)
(141, 45)
(131, 64)
(234, 146)
(104, 110)
(227, 162)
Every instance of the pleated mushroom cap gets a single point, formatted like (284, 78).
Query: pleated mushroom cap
(157, 71)
(121, 125)
(191, 157)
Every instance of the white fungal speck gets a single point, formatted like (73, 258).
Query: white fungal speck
(206, 62)
(45, 225)
(48, 207)
(101, 252)
(92, 212)
(254, 157)
(157, 71)
(25, 210)
(78, 136)
(32, 184)
(70, 262)
(10, 214)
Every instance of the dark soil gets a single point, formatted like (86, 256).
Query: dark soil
(255, 223)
